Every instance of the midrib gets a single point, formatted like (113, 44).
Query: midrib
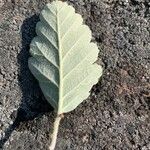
(60, 102)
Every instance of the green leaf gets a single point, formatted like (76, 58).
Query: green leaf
(63, 57)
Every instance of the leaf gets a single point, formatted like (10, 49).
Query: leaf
(63, 57)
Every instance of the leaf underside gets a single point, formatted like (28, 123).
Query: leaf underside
(63, 57)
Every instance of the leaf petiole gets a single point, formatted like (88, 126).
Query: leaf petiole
(55, 131)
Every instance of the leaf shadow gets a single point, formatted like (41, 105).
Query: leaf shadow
(33, 103)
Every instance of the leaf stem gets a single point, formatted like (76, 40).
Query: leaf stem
(55, 132)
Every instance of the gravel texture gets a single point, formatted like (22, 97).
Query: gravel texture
(116, 116)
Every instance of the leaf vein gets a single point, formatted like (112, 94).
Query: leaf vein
(46, 57)
(67, 32)
(76, 86)
(76, 66)
(69, 15)
(46, 77)
(73, 46)
(44, 20)
(49, 40)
